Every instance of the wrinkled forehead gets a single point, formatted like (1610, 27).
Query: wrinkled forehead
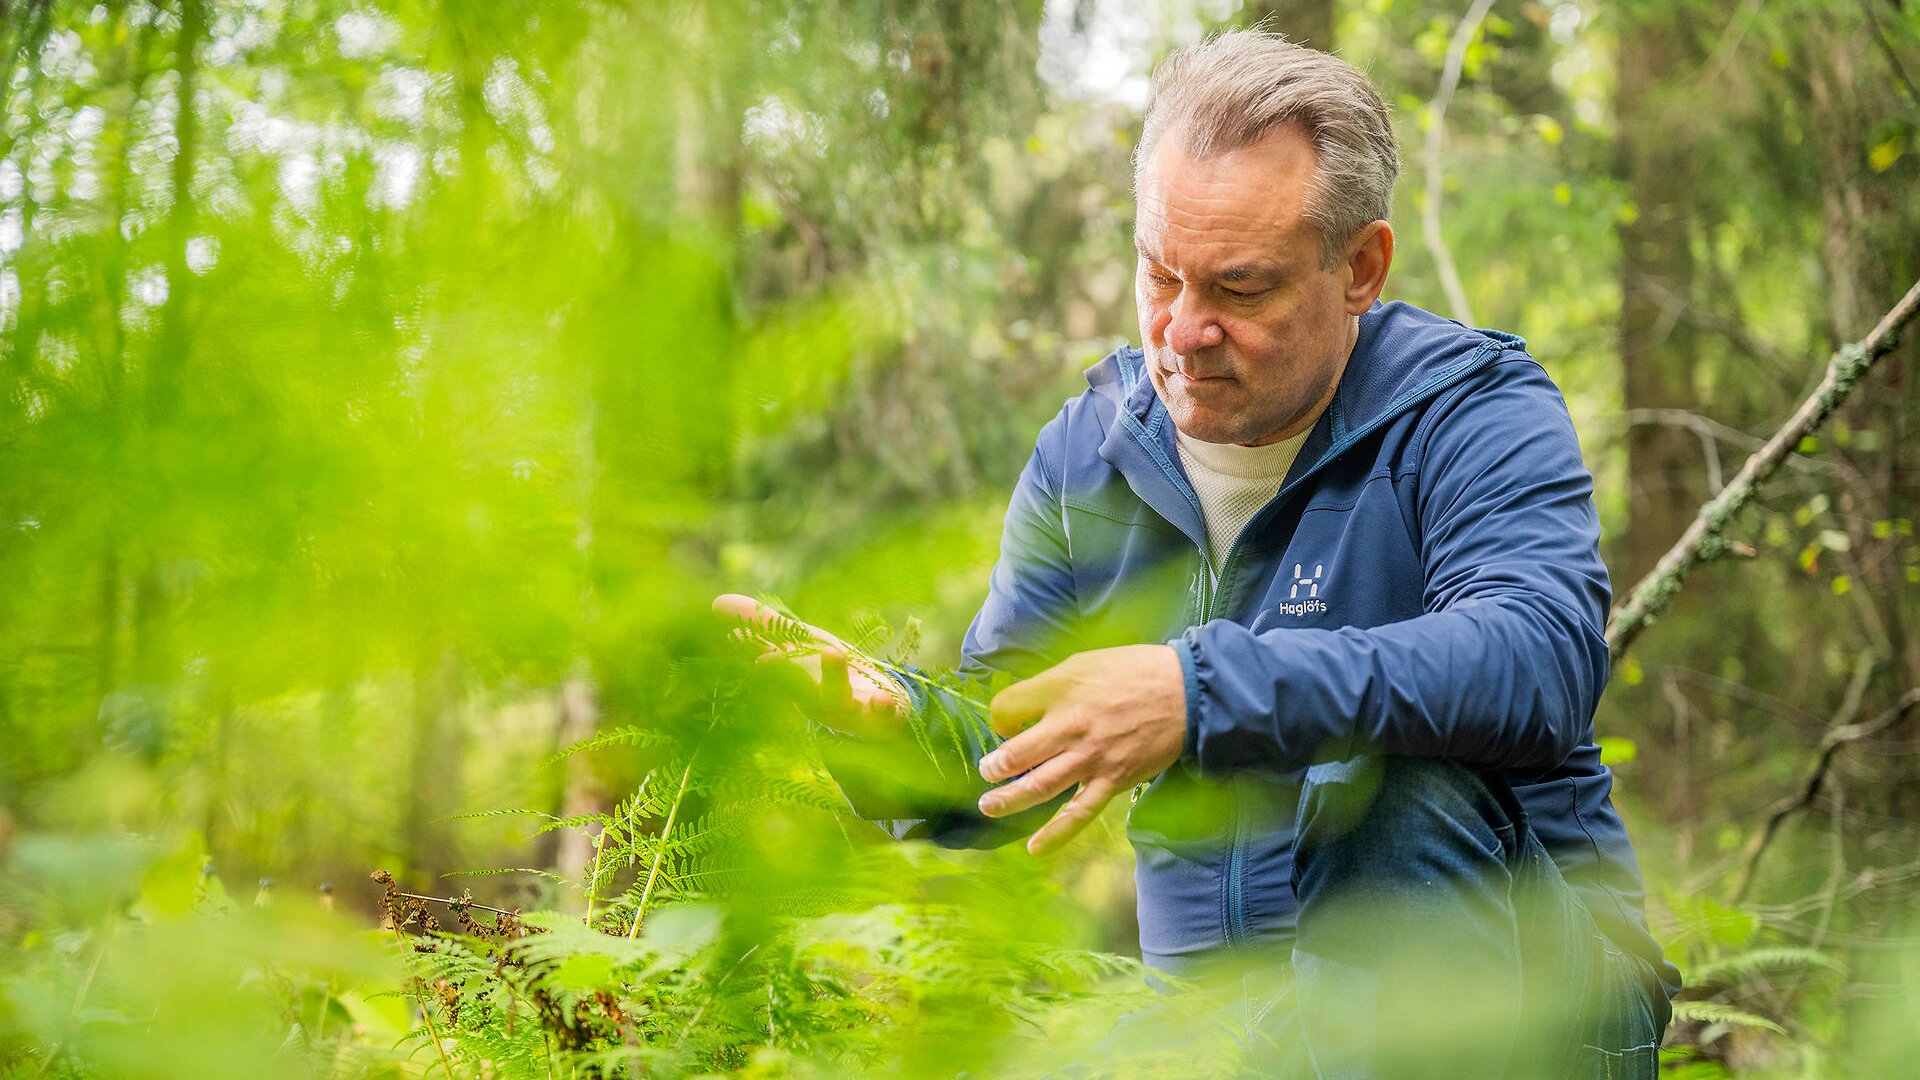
(1254, 195)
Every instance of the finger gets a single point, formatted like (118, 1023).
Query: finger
(745, 608)
(1085, 805)
(1031, 747)
(836, 689)
(761, 622)
(1054, 776)
(1020, 704)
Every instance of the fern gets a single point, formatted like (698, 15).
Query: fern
(1753, 961)
(626, 736)
(1713, 1012)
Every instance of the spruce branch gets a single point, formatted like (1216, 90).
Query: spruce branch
(1704, 539)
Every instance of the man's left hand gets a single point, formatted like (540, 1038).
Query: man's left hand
(1106, 719)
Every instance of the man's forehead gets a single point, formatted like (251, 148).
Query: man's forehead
(1260, 188)
(1228, 245)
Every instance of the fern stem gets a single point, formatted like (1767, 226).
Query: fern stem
(426, 1011)
(593, 877)
(660, 851)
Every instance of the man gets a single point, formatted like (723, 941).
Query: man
(1362, 540)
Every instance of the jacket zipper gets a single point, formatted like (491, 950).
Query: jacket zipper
(1235, 928)
(1236, 921)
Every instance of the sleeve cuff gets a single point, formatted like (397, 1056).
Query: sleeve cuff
(1190, 680)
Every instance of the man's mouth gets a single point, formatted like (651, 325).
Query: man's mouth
(1174, 365)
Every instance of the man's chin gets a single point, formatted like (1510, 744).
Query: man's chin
(1200, 425)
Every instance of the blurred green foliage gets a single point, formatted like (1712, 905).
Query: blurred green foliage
(385, 388)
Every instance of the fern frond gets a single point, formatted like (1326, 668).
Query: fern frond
(625, 735)
(505, 812)
(1781, 958)
(577, 821)
(1713, 1012)
(499, 870)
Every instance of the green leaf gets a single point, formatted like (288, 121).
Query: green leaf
(1618, 750)
(1882, 157)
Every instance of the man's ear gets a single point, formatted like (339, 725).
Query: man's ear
(1369, 256)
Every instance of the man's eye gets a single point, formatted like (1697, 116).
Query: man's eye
(1165, 281)
(1238, 294)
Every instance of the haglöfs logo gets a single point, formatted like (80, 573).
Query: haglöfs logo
(1304, 597)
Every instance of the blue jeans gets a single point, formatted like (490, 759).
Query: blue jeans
(1436, 939)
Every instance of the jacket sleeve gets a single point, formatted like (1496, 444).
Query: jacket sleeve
(930, 791)
(1503, 670)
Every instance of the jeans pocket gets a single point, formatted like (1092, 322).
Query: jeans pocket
(1624, 1035)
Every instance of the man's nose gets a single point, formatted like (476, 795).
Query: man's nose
(1191, 325)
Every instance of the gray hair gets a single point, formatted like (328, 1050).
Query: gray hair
(1228, 92)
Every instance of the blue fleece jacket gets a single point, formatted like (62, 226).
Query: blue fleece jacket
(1426, 583)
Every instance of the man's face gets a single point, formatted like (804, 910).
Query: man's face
(1245, 333)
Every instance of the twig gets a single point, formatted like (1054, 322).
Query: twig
(1711, 433)
(1436, 137)
(456, 902)
(1886, 47)
(1702, 540)
(1837, 737)
(1835, 874)
(1787, 916)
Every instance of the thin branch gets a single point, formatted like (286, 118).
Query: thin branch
(1886, 47)
(1436, 137)
(1729, 44)
(1675, 308)
(1706, 430)
(456, 902)
(1787, 916)
(1841, 735)
(1651, 597)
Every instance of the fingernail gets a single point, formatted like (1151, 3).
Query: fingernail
(990, 767)
(988, 804)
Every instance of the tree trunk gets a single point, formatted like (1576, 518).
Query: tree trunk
(1666, 476)
(1867, 226)
(580, 793)
(434, 774)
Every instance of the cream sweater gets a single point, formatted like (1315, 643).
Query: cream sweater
(1233, 483)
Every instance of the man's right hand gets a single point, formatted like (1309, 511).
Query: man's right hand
(854, 697)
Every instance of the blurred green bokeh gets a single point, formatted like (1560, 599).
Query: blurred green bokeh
(386, 388)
